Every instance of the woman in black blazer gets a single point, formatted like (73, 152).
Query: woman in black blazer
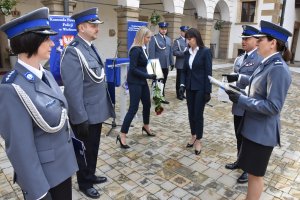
(137, 84)
(194, 79)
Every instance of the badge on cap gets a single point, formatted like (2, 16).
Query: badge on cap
(29, 76)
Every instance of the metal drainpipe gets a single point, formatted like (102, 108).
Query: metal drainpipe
(66, 7)
(282, 12)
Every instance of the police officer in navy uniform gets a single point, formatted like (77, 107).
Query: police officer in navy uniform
(160, 46)
(245, 65)
(179, 47)
(82, 73)
(34, 120)
(263, 102)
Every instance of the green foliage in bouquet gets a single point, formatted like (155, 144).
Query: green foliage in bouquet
(157, 98)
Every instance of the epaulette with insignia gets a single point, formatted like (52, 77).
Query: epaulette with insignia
(9, 77)
(277, 62)
(74, 43)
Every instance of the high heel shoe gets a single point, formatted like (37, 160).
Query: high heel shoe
(197, 152)
(190, 145)
(148, 133)
(123, 146)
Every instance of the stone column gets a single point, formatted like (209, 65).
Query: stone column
(56, 7)
(204, 26)
(174, 21)
(125, 14)
(224, 40)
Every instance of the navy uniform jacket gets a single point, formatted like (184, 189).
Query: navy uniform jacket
(197, 77)
(246, 68)
(179, 47)
(137, 72)
(40, 160)
(163, 52)
(269, 85)
(87, 100)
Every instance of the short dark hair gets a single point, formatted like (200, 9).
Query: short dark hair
(27, 43)
(282, 48)
(194, 33)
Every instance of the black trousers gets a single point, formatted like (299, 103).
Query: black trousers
(178, 75)
(196, 104)
(92, 142)
(137, 92)
(61, 191)
(237, 120)
(165, 73)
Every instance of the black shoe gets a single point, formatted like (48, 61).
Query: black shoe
(98, 179)
(148, 133)
(165, 102)
(183, 97)
(179, 97)
(91, 192)
(123, 146)
(232, 166)
(243, 178)
(190, 145)
(197, 152)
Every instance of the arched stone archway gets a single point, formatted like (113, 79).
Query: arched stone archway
(221, 30)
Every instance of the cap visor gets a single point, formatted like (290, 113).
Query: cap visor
(96, 22)
(246, 36)
(45, 32)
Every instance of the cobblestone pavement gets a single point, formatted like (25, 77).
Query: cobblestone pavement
(162, 168)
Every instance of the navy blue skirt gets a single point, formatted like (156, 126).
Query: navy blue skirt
(253, 157)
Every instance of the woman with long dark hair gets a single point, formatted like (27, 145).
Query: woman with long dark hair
(194, 79)
(268, 87)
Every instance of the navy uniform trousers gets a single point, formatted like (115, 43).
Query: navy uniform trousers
(137, 92)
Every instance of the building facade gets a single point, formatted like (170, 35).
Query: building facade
(219, 21)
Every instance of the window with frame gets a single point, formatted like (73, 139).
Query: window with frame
(248, 11)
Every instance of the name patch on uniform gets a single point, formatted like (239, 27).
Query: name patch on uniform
(10, 77)
(29, 76)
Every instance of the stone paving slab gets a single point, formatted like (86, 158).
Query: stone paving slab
(162, 168)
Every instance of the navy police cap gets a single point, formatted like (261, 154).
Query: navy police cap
(248, 31)
(36, 21)
(184, 28)
(90, 15)
(273, 30)
(163, 24)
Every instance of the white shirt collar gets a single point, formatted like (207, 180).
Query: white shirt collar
(182, 37)
(37, 72)
(161, 35)
(88, 43)
(250, 52)
(193, 51)
(266, 58)
(144, 47)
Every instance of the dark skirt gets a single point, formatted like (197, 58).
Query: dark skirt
(253, 157)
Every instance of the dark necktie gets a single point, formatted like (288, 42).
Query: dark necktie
(45, 79)
(245, 56)
(94, 49)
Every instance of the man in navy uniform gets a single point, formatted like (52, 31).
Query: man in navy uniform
(82, 73)
(160, 47)
(243, 65)
(179, 47)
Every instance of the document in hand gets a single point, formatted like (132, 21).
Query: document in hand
(222, 85)
(153, 67)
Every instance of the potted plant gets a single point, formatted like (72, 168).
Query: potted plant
(155, 18)
(219, 24)
(6, 6)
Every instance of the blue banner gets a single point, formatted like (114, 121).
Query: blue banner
(133, 27)
(66, 29)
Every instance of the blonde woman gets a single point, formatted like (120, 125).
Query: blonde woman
(137, 84)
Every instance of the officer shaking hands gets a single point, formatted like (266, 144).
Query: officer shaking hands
(160, 46)
(82, 73)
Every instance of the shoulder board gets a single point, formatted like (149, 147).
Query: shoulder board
(74, 43)
(9, 77)
(277, 62)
